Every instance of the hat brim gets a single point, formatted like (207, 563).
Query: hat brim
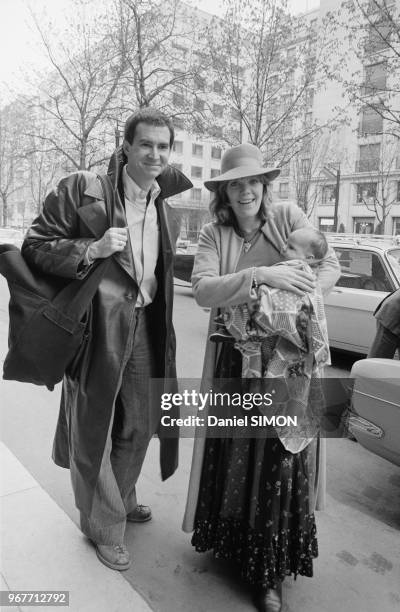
(241, 172)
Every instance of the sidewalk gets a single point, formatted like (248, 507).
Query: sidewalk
(42, 548)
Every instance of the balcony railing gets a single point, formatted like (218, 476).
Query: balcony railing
(368, 165)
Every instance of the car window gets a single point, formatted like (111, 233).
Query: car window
(393, 256)
(362, 270)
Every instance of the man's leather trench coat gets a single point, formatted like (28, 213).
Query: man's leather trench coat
(73, 216)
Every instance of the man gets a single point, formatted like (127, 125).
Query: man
(387, 338)
(106, 419)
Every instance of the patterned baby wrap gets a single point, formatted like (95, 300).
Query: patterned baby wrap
(284, 336)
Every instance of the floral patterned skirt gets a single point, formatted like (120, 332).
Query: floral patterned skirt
(254, 505)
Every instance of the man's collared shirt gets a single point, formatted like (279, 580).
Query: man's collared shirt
(144, 234)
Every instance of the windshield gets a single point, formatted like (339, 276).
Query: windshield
(393, 256)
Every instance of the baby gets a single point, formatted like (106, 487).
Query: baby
(304, 248)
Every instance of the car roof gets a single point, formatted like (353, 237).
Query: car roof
(363, 241)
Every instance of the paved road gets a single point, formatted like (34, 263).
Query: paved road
(359, 565)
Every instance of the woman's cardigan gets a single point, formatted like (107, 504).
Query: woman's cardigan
(216, 284)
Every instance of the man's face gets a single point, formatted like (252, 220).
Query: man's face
(148, 154)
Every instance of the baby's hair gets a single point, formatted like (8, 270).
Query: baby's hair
(318, 244)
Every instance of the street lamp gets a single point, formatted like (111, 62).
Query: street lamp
(336, 175)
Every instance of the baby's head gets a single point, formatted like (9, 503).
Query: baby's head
(307, 244)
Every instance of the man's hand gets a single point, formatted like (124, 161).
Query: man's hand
(113, 240)
(286, 277)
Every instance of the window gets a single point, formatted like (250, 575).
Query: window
(398, 192)
(199, 105)
(218, 110)
(214, 173)
(289, 80)
(364, 225)
(291, 54)
(366, 192)
(378, 37)
(216, 131)
(199, 83)
(197, 172)
(305, 166)
(180, 48)
(325, 224)
(368, 158)
(309, 97)
(235, 137)
(235, 114)
(283, 191)
(218, 87)
(196, 194)
(197, 150)
(179, 123)
(216, 153)
(178, 147)
(178, 99)
(308, 120)
(375, 78)
(396, 227)
(287, 128)
(362, 269)
(285, 171)
(328, 194)
(371, 121)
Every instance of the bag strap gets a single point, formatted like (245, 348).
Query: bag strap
(108, 193)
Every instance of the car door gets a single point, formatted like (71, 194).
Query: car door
(374, 418)
(349, 307)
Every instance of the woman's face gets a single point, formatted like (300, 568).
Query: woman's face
(245, 196)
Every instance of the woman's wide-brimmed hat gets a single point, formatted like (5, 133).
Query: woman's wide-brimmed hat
(239, 162)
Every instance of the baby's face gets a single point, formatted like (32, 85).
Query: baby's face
(297, 246)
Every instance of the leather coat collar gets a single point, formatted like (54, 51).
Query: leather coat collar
(94, 214)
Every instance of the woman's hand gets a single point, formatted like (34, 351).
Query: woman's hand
(113, 240)
(286, 277)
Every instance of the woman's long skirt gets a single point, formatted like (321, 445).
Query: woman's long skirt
(254, 504)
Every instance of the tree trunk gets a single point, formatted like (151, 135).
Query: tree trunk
(5, 212)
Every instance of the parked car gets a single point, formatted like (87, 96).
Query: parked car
(374, 417)
(9, 235)
(370, 270)
(184, 259)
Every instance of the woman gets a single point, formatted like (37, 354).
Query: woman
(250, 500)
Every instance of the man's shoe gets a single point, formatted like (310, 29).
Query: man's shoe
(268, 600)
(115, 556)
(141, 514)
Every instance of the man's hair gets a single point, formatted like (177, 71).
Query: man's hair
(150, 116)
(318, 244)
(223, 213)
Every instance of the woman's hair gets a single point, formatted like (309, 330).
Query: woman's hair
(222, 212)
